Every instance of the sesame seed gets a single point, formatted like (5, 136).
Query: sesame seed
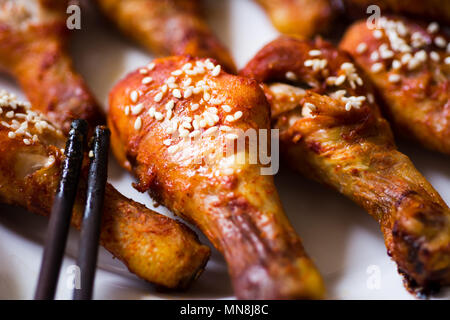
(394, 78)
(134, 95)
(151, 66)
(361, 48)
(127, 110)
(396, 64)
(11, 135)
(137, 109)
(440, 42)
(170, 105)
(238, 115)
(433, 27)
(209, 65)
(27, 142)
(176, 93)
(434, 56)
(143, 71)
(187, 66)
(374, 56)
(91, 154)
(138, 123)
(215, 72)
(159, 116)
(377, 34)
(314, 53)
(195, 106)
(376, 67)
(206, 96)
(167, 142)
(151, 112)
(211, 130)
(188, 93)
(10, 114)
(447, 60)
(226, 108)
(229, 118)
(340, 80)
(147, 80)
(291, 76)
(406, 57)
(177, 72)
(169, 114)
(158, 97)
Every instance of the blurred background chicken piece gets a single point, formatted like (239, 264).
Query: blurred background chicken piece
(303, 18)
(168, 27)
(33, 39)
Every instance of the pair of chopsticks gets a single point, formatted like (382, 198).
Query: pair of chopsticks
(61, 214)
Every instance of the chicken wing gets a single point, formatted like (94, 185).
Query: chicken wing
(170, 127)
(168, 27)
(409, 63)
(33, 37)
(331, 131)
(152, 246)
(428, 10)
(303, 18)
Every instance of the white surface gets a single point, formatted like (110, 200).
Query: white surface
(342, 238)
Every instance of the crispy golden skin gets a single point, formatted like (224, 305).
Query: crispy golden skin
(168, 27)
(303, 18)
(430, 9)
(33, 37)
(354, 152)
(419, 103)
(154, 247)
(240, 212)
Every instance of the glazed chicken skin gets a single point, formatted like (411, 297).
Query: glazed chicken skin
(33, 37)
(331, 131)
(168, 27)
(169, 127)
(304, 18)
(427, 10)
(409, 63)
(154, 247)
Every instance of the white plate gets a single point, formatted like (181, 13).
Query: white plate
(345, 242)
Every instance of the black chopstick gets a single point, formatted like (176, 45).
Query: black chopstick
(90, 230)
(61, 212)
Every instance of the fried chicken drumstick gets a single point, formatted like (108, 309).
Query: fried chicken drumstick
(154, 247)
(168, 127)
(33, 36)
(168, 27)
(409, 63)
(303, 18)
(331, 131)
